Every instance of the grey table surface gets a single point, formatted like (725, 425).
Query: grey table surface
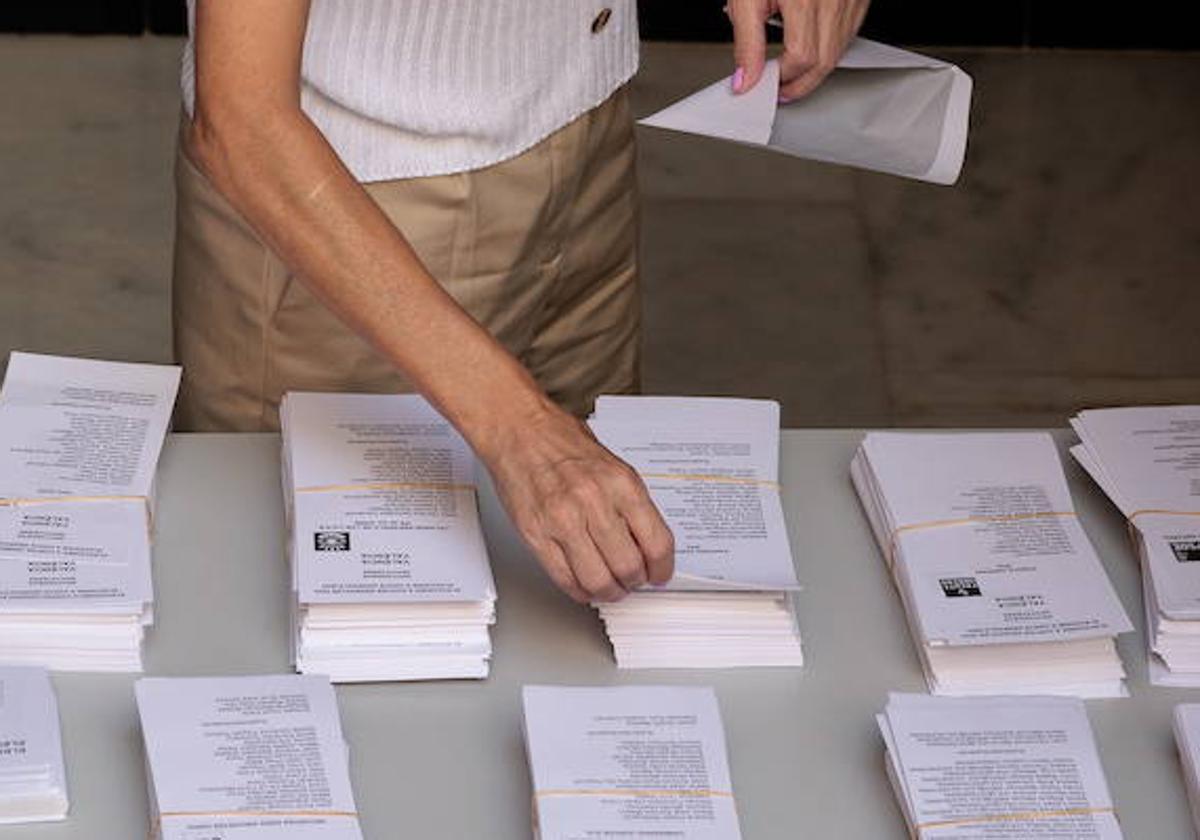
(445, 759)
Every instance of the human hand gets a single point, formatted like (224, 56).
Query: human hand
(584, 512)
(815, 34)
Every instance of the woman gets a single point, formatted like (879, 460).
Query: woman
(439, 195)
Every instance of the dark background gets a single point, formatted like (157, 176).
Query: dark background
(1013, 23)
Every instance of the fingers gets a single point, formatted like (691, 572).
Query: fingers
(815, 36)
(621, 554)
(572, 518)
(591, 570)
(749, 41)
(654, 538)
(554, 561)
(801, 46)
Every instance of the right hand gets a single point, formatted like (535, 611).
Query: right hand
(584, 512)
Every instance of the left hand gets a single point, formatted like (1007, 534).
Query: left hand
(815, 34)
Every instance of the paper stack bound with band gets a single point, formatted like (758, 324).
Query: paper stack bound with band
(628, 761)
(711, 466)
(1003, 590)
(246, 758)
(33, 779)
(79, 446)
(992, 767)
(1187, 741)
(1147, 461)
(389, 569)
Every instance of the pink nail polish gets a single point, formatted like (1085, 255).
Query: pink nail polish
(739, 76)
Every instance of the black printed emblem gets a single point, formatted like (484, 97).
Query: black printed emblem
(1186, 551)
(960, 587)
(331, 540)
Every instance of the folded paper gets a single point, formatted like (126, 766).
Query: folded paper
(882, 109)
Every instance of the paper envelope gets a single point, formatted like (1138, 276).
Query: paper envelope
(882, 108)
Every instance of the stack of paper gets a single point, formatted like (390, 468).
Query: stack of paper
(634, 761)
(33, 783)
(79, 446)
(390, 571)
(990, 767)
(882, 108)
(712, 468)
(260, 758)
(1003, 590)
(1147, 460)
(1187, 739)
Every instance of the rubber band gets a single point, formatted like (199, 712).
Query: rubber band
(1016, 817)
(17, 501)
(894, 540)
(703, 793)
(1162, 512)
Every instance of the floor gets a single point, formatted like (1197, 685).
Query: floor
(1063, 270)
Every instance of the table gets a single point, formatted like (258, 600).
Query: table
(446, 760)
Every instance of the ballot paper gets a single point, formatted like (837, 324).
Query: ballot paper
(629, 761)
(711, 466)
(1003, 589)
(33, 782)
(390, 572)
(992, 767)
(882, 108)
(1187, 739)
(1147, 461)
(260, 758)
(79, 447)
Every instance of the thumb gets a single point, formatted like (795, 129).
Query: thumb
(749, 43)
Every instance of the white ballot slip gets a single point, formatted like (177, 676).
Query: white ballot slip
(33, 779)
(628, 761)
(1003, 589)
(1187, 739)
(390, 572)
(1146, 459)
(79, 447)
(711, 466)
(992, 767)
(259, 758)
(882, 108)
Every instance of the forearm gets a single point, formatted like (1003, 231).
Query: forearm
(277, 170)
(585, 514)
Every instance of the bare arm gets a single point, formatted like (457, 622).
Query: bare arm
(585, 514)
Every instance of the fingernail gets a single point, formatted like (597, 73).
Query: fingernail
(739, 76)
(783, 100)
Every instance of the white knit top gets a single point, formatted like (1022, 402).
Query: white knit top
(403, 88)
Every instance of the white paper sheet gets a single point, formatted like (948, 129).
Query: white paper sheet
(360, 538)
(630, 761)
(1187, 739)
(82, 427)
(711, 467)
(33, 779)
(882, 108)
(1002, 578)
(260, 758)
(390, 571)
(79, 446)
(997, 767)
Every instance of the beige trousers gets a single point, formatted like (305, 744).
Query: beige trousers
(540, 249)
